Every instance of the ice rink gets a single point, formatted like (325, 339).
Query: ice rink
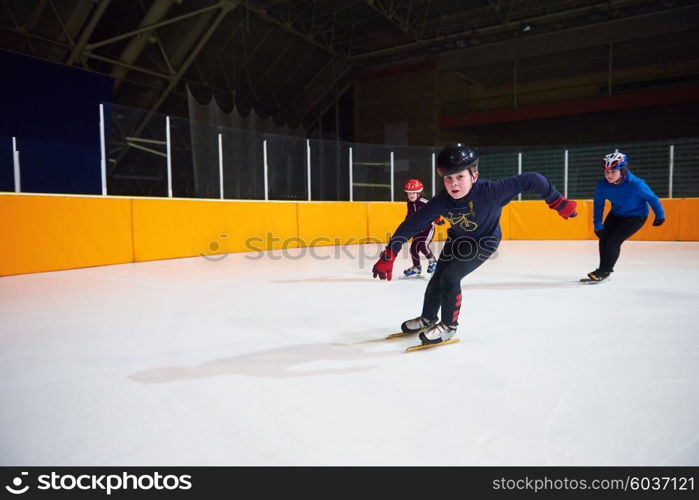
(264, 359)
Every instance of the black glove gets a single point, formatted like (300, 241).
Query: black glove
(599, 232)
(658, 222)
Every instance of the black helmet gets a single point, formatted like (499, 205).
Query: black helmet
(455, 158)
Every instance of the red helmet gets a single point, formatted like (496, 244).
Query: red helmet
(413, 186)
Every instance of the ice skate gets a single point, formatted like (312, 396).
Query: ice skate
(413, 272)
(415, 325)
(432, 265)
(437, 335)
(596, 276)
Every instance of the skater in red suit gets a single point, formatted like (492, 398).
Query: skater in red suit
(421, 241)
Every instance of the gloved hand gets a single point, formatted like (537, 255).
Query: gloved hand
(564, 207)
(384, 266)
(439, 221)
(658, 222)
(599, 232)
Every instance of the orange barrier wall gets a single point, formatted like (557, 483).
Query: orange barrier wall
(46, 232)
(332, 223)
(260, 225)
(166, 229)
(689, 220)
(49, 233)
(670, 230)
(534, 220)
(383, 219)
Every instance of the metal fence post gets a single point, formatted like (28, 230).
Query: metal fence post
(169, 157)
(519, 171)
(220, 165)
(434, 186)
(103, 153)
(15, 164)
(264, 156)
(392, 170)
(672, 169)
(308, 167)
(351, 181)
(565, 174)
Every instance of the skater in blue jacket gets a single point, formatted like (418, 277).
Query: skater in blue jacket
(630, 197)
(473, 207)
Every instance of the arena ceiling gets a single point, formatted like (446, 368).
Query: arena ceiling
(292, 58)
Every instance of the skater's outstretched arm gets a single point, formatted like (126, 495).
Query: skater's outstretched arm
(533, 182)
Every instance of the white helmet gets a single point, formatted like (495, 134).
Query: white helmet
(615, 161)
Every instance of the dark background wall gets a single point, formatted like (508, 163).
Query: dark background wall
(53, 111)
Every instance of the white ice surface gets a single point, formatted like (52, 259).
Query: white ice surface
(281, 362)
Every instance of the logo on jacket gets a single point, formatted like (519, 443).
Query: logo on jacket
(461, 220)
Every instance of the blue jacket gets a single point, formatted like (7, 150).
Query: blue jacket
(476, 215)
(629, 199)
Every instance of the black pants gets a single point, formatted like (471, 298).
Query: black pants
(616, 231)
(458, 258)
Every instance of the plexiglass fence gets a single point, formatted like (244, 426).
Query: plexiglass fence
(148, 154)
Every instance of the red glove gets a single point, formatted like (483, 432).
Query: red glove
(564, 207)
(384, 266)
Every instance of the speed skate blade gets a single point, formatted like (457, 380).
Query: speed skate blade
(399, 334)
(590, 281)
(427, 346)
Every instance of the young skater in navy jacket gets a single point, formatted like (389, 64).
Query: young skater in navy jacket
(473, 207)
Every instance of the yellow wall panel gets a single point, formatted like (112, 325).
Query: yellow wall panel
(534, 220)
(332, 223)
(48, 233)
(669, 231)
(384, 218)
(688, 220)
(45, 233)
(255, 226)
(167, 229)
(505, 224)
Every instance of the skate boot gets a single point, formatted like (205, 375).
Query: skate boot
(438, 333)
(413, 271)
(417, 325)
(598, 275)
(432, 265)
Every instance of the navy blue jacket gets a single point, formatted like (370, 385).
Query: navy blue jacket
(476, 215)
